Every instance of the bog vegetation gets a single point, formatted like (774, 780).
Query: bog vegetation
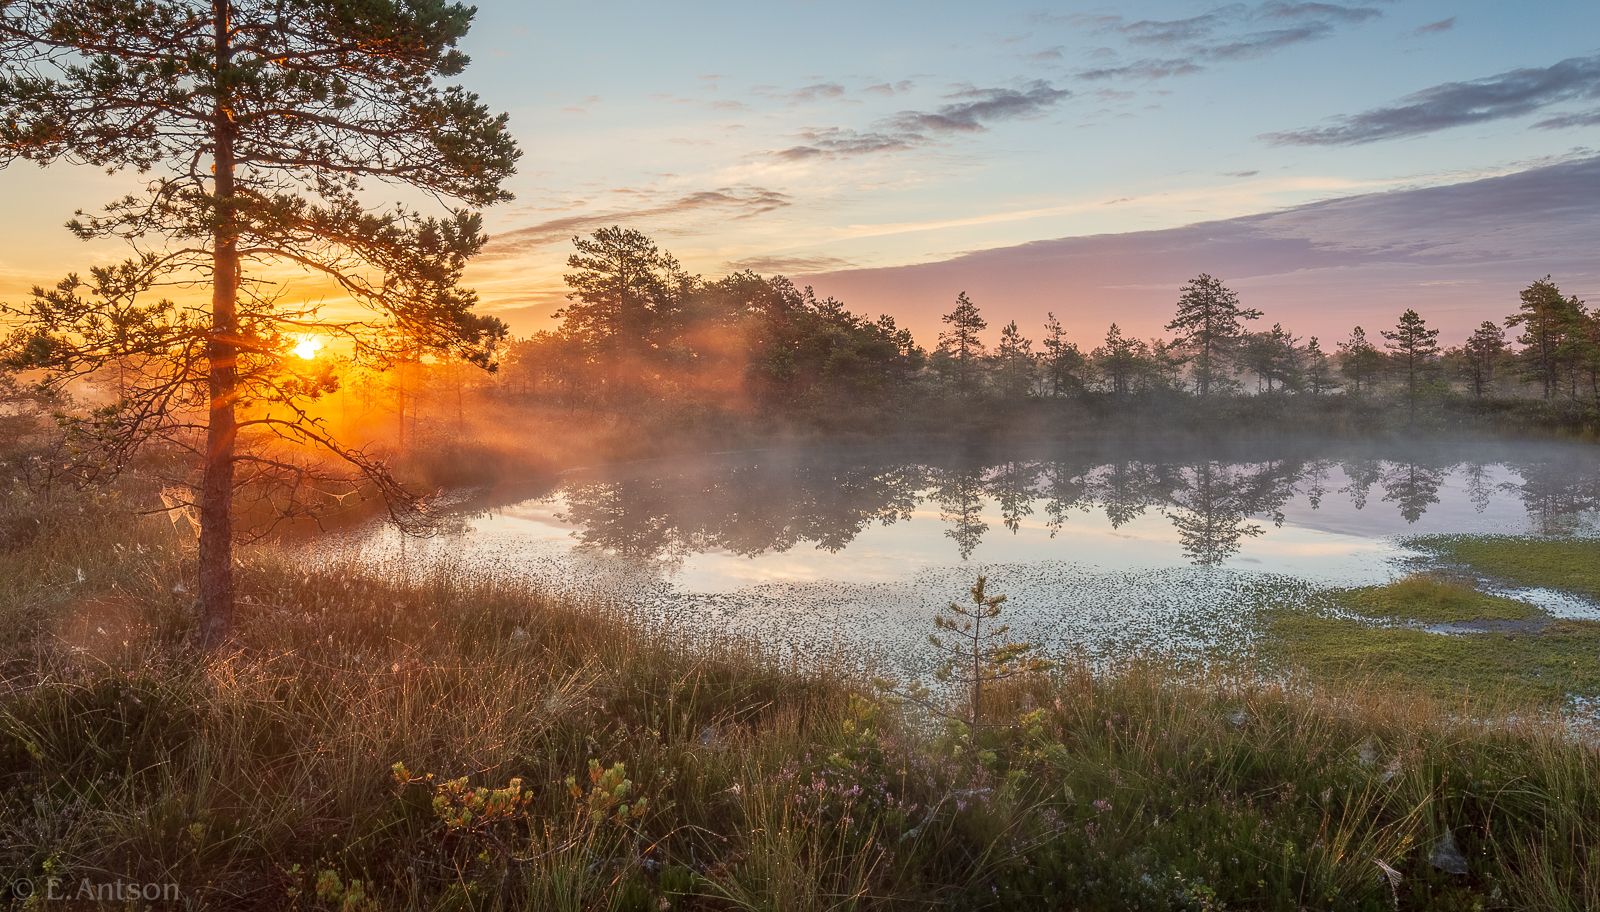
(392, 739)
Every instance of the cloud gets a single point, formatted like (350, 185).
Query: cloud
(1434, 28)
(1333, 11)
(978, 107)
(835, 141)
(1321, 267)
(888, 89)
(969, 110)
(803, 95)
(790, 265)
(1581, 119)
(1144, 69)
(727, 202)
(1174, 31)
(1235, 32)
(1258, 44)
(1453, 104)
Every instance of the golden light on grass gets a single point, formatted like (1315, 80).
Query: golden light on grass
(307, 345)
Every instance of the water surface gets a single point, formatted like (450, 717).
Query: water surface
(1101, 546)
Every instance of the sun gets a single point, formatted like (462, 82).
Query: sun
(307, 346)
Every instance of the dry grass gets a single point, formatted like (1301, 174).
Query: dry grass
(263, 777)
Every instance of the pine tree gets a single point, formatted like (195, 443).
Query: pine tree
(1014, 363)
(1121, 361)
(1359, 361)
(627, 302)
(1063, 363)
(977, 650)
(1483, 351)
(1548, 320)
(1413, 348)
(254, 126)
(963, 343)
(1272, 356)
(1318, 378)
(1210, 321)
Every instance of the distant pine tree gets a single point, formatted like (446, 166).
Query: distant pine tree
(1413, 348)
(963, 343)
(1211, 322)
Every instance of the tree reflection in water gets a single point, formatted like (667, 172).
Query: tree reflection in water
(770, 506)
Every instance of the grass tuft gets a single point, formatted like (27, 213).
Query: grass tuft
(1432, 599)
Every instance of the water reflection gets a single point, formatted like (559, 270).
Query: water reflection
(765, 504)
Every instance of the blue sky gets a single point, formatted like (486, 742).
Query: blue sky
(812, 138)
(638, 113)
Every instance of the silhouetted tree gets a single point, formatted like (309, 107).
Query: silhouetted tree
(627, 297)
(1549, 320)
(1482, 354)
(1014, 364)
(1318, 376)
(1167, 362)
(1064, 364)
(963, 343)
(1210, 321)
(1120, 361)
(1589, 352)
(254, 126)
(1359, 361)
(1272, 357)
(1413, 348)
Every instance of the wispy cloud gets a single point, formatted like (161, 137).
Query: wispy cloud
(1453, 104)
(726, 202)
(1580, 119)
(1434, 28)
(969, 110)
(837, 141)
(1238, 31)
(1148, 69)
(805, 94)
(798, 264)
(973, 109)
(887, 89)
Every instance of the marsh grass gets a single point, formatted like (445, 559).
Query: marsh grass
(1572, 564)
(1431, 598)
(264, 777)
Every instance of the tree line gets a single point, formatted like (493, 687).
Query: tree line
(637, 325)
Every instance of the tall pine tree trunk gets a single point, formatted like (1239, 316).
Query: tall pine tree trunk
(216, 486)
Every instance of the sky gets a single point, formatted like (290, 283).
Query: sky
(1334, 162)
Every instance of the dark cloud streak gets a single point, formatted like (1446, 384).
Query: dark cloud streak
(1453, 104)
(969, 110)
(1235, 32)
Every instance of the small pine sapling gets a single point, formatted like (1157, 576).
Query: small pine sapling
(976, 650)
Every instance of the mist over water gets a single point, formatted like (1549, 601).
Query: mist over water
(1102, 546)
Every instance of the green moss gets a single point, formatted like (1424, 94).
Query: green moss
(1569, 564)
(1434, 599)
(1530, 668)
